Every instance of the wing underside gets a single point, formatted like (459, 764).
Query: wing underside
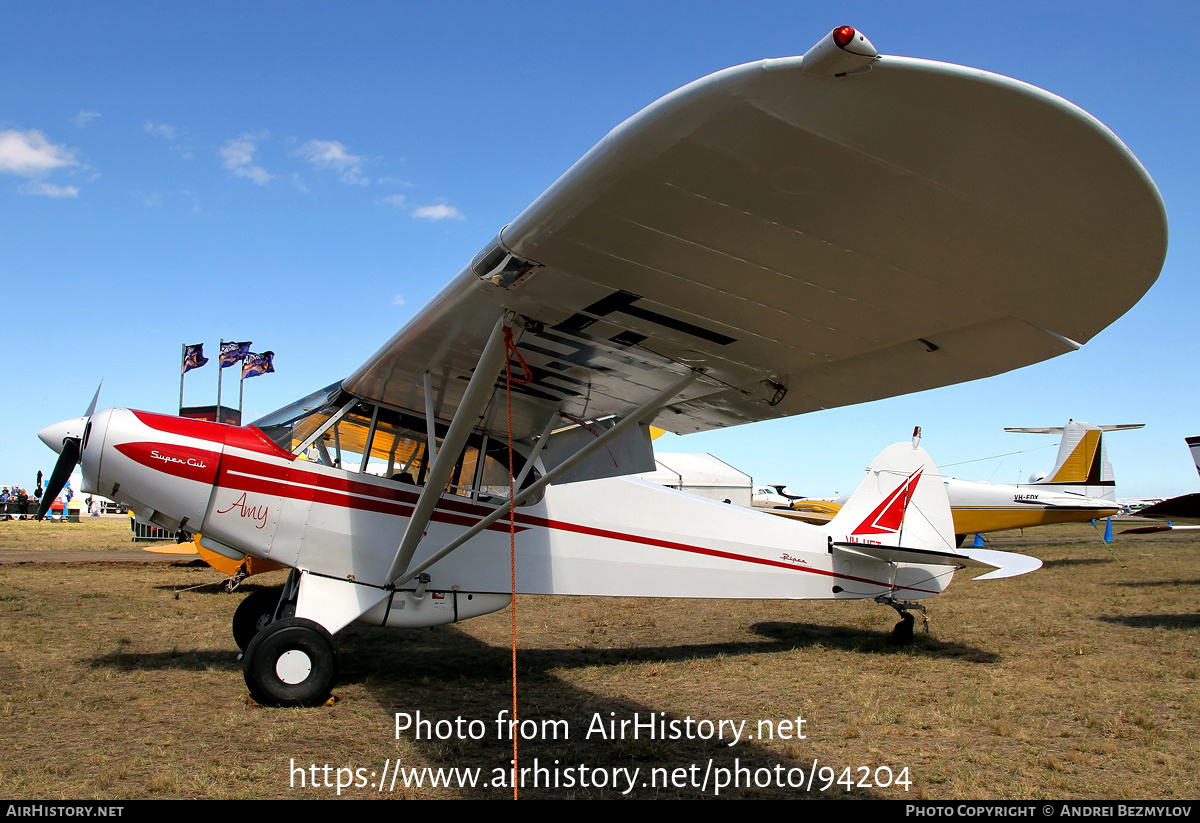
(807, 243)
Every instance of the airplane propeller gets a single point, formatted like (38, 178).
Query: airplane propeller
(66, 438)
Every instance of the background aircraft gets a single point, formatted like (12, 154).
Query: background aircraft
(1081, 486)
(1184, 509)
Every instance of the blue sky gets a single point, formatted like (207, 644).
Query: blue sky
(306, 175)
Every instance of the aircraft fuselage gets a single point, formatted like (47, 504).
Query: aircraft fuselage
(612, 537)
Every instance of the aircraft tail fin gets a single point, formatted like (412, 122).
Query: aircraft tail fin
(901, 514)
(1082, 466)
(1193, 444)
(901, 502)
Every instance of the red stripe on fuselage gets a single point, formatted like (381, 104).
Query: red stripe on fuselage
(244, 437)
(685, 547)
(337, 491)
(244, 474)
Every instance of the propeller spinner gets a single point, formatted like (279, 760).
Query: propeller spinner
(66, 438)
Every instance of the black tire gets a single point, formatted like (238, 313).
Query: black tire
(254, 613)
(902, 632)
(292, 662)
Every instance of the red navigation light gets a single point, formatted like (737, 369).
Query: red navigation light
(843, 35)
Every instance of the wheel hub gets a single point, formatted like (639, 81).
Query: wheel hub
(293, 667)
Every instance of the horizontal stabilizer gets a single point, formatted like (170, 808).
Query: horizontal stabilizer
(902, 554)
(1006, 564)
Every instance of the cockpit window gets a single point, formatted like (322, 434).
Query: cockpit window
(289, 425)
(335, 429)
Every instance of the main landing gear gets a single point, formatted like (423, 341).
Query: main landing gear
(902, 633)
(287, 660)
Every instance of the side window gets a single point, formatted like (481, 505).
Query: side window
(334, 429)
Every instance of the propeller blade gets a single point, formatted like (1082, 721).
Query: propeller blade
(67, 459)
(92, 408)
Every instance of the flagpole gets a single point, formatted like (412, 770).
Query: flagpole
(220, 368)
(241, 391)
(182, 355)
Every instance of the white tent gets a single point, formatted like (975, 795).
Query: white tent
(701, 474)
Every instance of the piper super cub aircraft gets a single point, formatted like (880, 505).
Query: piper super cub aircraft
(783, 236)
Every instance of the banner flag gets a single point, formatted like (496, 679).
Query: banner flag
(256, 364)
(233, 352)
(193, 357)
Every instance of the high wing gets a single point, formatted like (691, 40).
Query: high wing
(807, 234)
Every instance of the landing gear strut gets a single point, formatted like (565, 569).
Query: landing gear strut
(261, 608)
(902, 633)
(254, 613)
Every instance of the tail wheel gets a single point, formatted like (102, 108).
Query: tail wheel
(292, 662)
(902, 633)
(254, 613)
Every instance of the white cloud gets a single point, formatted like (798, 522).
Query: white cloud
(28, 154)
(84, 117)
(239, 158)
(44, 189)
(161, 130)
(438, 212)
(398, 300)
(330, 155)
(389, 180)
(396, 200)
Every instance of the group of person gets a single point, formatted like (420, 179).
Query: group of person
(14, 501)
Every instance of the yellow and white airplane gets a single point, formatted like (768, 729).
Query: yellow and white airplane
(1080, 487)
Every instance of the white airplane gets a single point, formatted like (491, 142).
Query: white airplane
(1081, 486)
(779, 237)
(1183, 510)
(779, 500)
(773, 495)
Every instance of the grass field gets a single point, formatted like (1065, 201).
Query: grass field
(94, 534)
(1077, 681)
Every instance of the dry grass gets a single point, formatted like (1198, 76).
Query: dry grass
(1078, 681)
(95, 534)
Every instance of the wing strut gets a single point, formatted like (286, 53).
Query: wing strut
(430, 430)
(474, 402)
(643, 412)
(537, 449)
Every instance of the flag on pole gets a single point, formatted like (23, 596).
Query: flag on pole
(256, 364)
(233, 352)
(193, 357)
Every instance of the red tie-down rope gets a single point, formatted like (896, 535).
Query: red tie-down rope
(510, 349)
